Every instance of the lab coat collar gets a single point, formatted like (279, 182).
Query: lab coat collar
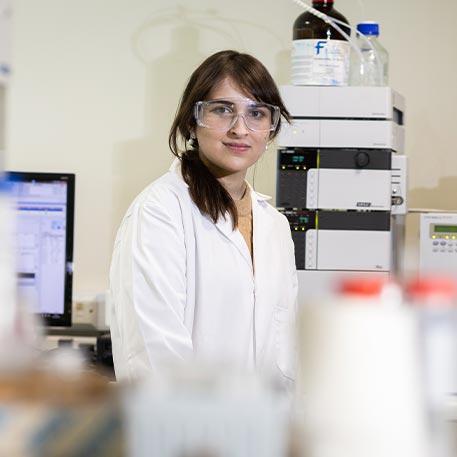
(225, 226)
(257, 195)
(176, 168)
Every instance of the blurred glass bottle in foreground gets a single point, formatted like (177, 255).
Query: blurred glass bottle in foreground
(320, 55)
(359, 378)
(372, 69)
(435, 301)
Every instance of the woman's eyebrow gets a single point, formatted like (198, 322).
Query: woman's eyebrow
(221, 100)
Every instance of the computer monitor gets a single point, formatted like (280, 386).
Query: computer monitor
(44, 242)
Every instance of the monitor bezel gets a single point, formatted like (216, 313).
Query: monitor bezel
(58, 320)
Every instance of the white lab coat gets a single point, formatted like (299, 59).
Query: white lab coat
(184, 288)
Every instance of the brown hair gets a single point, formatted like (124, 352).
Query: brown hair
(253, 78)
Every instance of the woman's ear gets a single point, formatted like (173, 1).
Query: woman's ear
(193, 140)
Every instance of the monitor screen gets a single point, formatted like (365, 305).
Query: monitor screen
(44, 242)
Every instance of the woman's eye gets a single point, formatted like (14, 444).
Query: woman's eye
(257, 114)
(221, 109)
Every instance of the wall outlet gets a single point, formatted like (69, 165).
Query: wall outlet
(84, 312)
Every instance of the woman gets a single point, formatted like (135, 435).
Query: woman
(203, 266)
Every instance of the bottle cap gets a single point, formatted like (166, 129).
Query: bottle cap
(433, 291)
(368, 28)
(323, 2)
(363, 286)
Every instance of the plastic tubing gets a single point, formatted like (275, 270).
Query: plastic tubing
(378, 60)
(333, 23)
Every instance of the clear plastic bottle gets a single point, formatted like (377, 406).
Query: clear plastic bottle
(374, 69)
(320, 55)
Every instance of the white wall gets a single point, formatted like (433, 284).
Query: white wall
(96, 83)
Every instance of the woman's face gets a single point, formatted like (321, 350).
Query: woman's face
(231, 151)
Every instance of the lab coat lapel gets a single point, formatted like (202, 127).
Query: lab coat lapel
(225, 226)
(262, 238)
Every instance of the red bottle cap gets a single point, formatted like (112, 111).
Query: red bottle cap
(363, 286)
(441, 289)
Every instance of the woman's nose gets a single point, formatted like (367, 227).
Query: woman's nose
(239, 126)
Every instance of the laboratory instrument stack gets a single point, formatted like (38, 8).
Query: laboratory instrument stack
(341, 177)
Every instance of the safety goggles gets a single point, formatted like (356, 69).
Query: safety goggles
(222, 114)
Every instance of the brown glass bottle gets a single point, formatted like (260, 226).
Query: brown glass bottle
(308, 26)
(320, 55)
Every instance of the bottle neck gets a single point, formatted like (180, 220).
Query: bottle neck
(323, 4)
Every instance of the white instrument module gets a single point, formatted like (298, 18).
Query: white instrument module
(438, 243)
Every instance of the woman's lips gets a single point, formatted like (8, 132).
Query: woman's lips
(237, 147)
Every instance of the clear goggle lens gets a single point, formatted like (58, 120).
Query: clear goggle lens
(223, 114)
